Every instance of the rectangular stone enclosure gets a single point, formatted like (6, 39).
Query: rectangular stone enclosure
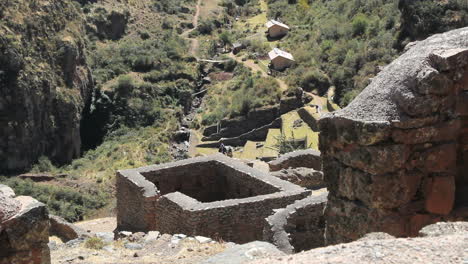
(212, 196)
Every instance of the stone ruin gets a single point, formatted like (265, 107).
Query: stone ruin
(212, 196)
(24, 229)
(396, 159)
(300, 226)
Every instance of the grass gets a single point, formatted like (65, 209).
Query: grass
(271, 141)
(251, 151)
(256, 23)
(209, 7)
(301, 132)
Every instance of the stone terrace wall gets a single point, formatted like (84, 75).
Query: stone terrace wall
(396, 159)
(299, 226)
(24, 229)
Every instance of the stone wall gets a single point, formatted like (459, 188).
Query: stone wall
(24, 229)
(308, 158)
(300, 226)
(396, 158)
(210, 196)
(236, 221)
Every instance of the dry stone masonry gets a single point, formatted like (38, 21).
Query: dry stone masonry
(211, 196)
(396, 159)
(308, 158)
(300, 226)
(24, 229)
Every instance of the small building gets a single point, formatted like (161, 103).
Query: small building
(237, 47)
(280, 59)
(276, 29)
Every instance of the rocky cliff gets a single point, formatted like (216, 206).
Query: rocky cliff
(44, 81)
(395, 159)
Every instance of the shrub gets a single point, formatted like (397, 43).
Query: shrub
(206, 27)
(359, 24)
(94, 243)
(125, 86)
(43, 165)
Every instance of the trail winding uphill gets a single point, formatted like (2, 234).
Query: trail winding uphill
(193, 41)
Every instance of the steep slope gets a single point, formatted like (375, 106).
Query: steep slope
(44, 82)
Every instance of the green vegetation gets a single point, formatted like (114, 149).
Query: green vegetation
(71, 204)
(144, 77)
(340, 43)
(94, 243)
(286, 145)
(420, 18)
(343, 43)
(237, 96)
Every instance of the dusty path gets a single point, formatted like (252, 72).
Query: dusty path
(107, 224)
(193, 41)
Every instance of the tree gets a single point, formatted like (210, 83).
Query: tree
(226, 38)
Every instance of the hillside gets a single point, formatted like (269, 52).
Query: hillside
(88, 87)
(114, 90)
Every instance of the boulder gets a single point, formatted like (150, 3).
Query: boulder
(9, 206)
(24, 229)
(64, 230)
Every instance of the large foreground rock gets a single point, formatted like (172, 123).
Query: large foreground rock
(395, 159)
(24, 233)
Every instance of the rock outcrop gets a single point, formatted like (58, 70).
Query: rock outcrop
(396, 158)
(448, 248)
(44, 82)
(24, 229)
